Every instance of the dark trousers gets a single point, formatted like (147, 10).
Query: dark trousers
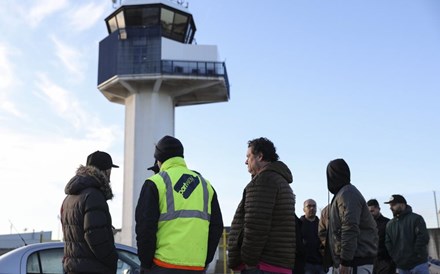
(385, 266)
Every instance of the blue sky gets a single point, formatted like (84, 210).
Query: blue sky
(321, 79)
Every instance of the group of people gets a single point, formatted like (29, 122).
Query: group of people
(179, 221)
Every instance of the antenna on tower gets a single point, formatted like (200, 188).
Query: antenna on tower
(114, 3)
(180, 3)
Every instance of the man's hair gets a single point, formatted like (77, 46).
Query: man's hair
(265, 147)
(373, 202)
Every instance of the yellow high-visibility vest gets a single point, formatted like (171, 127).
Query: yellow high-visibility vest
(185, 210)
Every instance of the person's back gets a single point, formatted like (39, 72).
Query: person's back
(189, 192)
(87, 225)
(178, 219)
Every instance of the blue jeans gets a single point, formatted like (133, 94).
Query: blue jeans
(313, 269)
(418, 269)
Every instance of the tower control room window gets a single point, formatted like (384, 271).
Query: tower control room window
(166, 20)
(142, 17)
(113, 26)
(174, 25)
(180, 23)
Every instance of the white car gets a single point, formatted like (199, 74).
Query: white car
(46, 258)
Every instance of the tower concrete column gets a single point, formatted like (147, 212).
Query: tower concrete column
(149, 115)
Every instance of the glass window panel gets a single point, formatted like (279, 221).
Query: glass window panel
(51, 261)
(127, 263)
(180, 22)
(121, 20)
(150, 16)
(134, 17)
(112, 24)
(166, 20)
(122, 34)
(32, 265)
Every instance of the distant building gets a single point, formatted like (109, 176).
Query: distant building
(12, 241)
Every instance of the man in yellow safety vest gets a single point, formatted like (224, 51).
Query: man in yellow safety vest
(178, 217)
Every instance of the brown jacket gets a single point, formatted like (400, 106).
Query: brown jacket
(263, 228)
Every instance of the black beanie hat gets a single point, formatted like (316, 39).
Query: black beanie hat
(168, 147)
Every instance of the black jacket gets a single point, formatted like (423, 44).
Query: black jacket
(382, 253)
(407, 239)
(87, 224)
(312, 244)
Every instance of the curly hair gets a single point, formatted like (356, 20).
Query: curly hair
(265, 147)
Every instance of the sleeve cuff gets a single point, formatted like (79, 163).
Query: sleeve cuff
(347, 262)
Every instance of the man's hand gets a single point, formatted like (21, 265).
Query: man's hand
(345, 269)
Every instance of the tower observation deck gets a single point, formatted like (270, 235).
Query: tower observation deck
(148, 42)
(150, 63)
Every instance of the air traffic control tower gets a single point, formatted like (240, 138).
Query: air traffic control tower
(150, 63)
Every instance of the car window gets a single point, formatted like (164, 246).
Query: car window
(47, 261)
(128, 263)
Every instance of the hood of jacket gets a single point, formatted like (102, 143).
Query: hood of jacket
(89, 176)
(280, 168)
(338, 175)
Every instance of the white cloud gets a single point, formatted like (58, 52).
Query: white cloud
(69, 57)
(11, 108)
(59, 99)
(6, 69)
(7, 82)
(43, 9)
(70, 109)
(87, 15)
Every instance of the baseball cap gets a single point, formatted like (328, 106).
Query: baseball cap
(101, 160)
(396, 199)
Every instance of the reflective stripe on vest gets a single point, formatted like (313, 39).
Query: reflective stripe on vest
(172, 213)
